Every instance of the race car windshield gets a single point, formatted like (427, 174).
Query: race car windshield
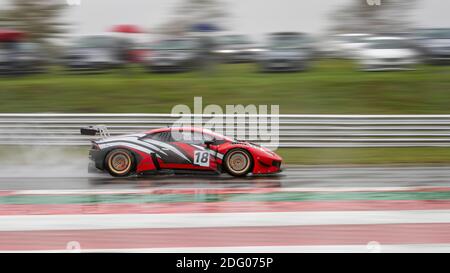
(216, 135)
(174, 45)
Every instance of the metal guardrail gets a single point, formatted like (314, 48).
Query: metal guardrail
(294, 130)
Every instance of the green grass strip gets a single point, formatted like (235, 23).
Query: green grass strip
(331, 87)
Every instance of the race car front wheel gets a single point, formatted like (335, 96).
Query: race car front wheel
(119, 162)
(238, 162)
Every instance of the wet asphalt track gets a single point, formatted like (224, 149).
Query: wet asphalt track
(295, 176)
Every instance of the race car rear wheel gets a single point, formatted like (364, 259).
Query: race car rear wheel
(119, 162)
(238, 162)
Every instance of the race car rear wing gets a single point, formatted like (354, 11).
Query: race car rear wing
(100, 130)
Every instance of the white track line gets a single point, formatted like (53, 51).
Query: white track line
(371, 247)
(159, 190)
(203, 220)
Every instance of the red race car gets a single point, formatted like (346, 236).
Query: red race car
(178, 150)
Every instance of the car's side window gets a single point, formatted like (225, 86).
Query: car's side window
(207, 137)
(217, 140)
(162, 136)
(198, 138)
(168, 137)
(156, 136)
(189, 137)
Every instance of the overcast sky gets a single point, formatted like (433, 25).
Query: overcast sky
(253, 17)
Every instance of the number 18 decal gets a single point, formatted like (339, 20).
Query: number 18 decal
(201, 158)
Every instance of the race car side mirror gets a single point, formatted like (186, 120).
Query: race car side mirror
(209, 142)
(89, 131)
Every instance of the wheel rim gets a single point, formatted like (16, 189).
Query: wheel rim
(238, 162)
(120, 163)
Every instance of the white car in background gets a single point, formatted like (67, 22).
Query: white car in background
(235, 49)
(345, 45)
(385, 53)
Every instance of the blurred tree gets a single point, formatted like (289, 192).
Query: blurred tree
(367, 16)
(38, 18)
(192, 12)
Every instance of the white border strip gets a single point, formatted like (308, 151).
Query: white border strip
(212, 190)
(371, 247)
(220, 220)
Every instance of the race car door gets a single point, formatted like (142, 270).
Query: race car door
(192, 145)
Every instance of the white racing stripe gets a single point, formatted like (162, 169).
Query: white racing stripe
(203, 220)
(125, 144)
(169, 147)
(120, 138)
(143, 142)
(198, 147)
(213, 153)
(125, 141)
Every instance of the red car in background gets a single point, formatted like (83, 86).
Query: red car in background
(178, 150)
(20, 56)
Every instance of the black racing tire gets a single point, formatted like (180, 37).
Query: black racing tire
(120, 162)
(238, 162)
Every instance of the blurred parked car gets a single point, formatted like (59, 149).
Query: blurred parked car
(387, 53)
(98, 52)
(235, 49)
(31, 58)
(18, 56)
(138, 53)
(346, 45)
(286, 51)
(435, 45)
(177, 54)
